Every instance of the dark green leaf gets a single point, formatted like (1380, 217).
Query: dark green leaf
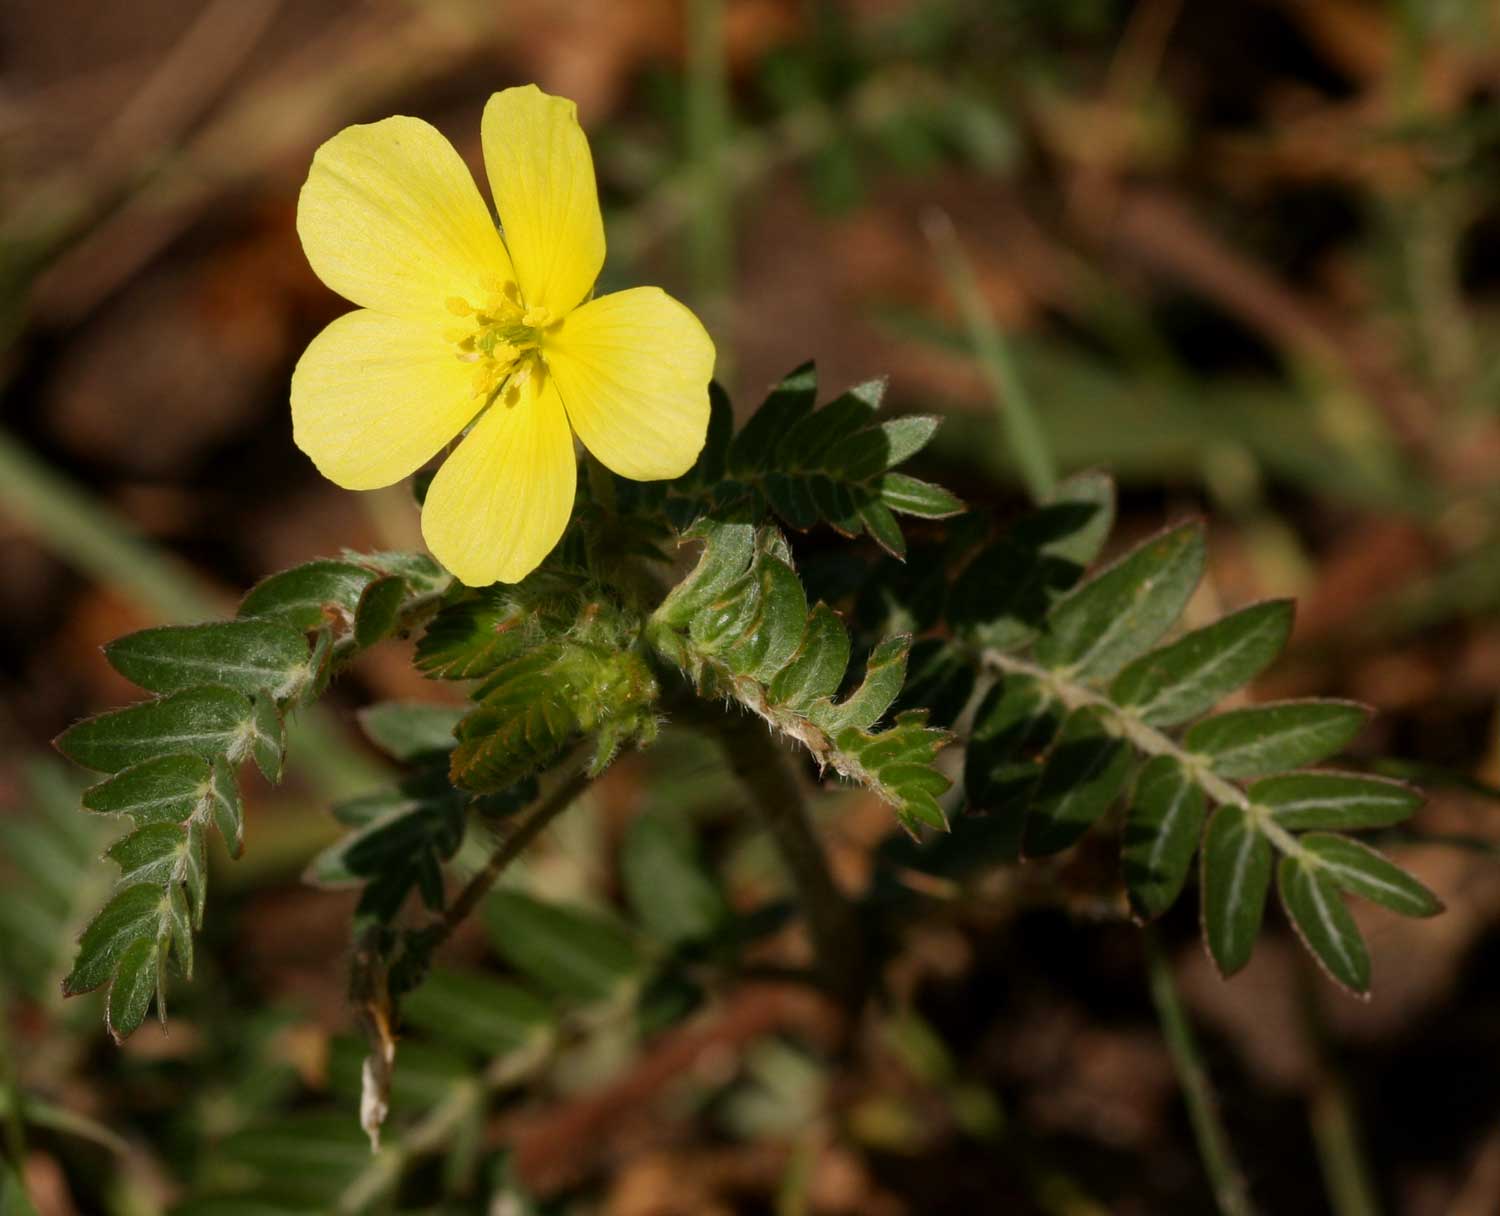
(306, 596)
(1161, 835)
(168, 789)
(150, 855)
(1313, 906)
(134, 983)
(1013, 727)
(670, 890)
(133, 913)
(789, 402)
(406, 730)
(268, 739)
(1084, 773)
(1122, 612)
(227, 810)
(379, 610)
(1359, 868)
(882, 526)
(1272, 738)
(910, 496)
(249, 656)
(576, 954)
(205, 722)
(1236, 875)
(1194, 674)
(1335, 801)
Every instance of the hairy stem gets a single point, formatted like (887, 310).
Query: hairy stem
(832, 919)
(1224, 1173)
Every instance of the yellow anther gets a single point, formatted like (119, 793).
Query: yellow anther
(459, 307)
(535, 318)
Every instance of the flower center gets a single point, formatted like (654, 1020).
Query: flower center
(503, 341)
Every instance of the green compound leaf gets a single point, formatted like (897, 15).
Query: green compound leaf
(168, 789)
(205, 722)
(473, 637)
(1191, 676)
(577, 955)
(1122, 612)
(1323, 923)
(1161, 835)
(481, 1014)
(1335, 801)
(1271, 738)
(811, 465)
(310, 595)
(408, 730)
(738, 625)
(1004, 594)
(670, 890)
(1357, 867)
(1236, 875)
(248, 656)
(1084, 773)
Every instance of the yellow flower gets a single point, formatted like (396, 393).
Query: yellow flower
(463, 326)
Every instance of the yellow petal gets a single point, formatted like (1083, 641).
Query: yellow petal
(390, 218)
(633, 370)
(374, 397)
(542, 179)
(501, 501)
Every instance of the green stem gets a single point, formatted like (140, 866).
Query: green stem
(1023, 430)
(1224, 1174)
(776, 796)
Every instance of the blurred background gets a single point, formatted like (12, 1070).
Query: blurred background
(1246, 255)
